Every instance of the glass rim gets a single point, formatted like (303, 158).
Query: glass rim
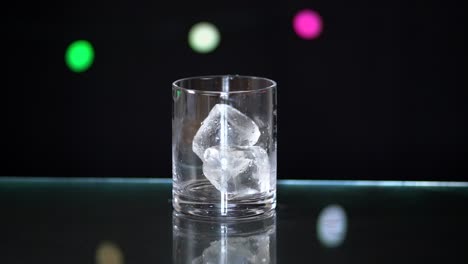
(176, 84)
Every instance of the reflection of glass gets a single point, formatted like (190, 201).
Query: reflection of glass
(332, 225)
(200, 241)
(224, 145)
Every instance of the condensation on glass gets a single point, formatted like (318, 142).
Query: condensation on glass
(224, 145)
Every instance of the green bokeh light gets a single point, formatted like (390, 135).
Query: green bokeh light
(79, 55)
(204, 37)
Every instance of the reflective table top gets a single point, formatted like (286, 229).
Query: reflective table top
(84, 220)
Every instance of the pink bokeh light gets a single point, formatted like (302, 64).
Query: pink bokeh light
(307, 24)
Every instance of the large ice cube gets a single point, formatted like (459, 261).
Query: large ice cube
(225, 125)
(237, 170)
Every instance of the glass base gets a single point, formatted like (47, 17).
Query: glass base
(203, 200)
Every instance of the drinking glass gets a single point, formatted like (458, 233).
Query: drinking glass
(224, 145)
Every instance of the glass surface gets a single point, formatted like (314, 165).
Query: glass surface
(88, 220)
(224, 146)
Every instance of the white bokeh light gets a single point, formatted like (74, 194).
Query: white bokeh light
(204, 37)
(332, 226)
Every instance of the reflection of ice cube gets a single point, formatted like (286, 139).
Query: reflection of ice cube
(237, 170)
(253, 249)
(225, 125)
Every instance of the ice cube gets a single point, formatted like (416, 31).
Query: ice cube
(225, 125)
(237, 170)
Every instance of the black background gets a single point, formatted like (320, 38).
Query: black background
(379, 95)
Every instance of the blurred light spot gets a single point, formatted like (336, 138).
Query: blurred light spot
(332, 225)
(108, 253)
(79, 55)
(204, 37)
(307, 24)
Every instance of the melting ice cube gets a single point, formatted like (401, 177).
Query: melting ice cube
(225, 125)
(225, 143)
(237, 170)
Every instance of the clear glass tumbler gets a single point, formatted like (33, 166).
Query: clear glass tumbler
(224, 145)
